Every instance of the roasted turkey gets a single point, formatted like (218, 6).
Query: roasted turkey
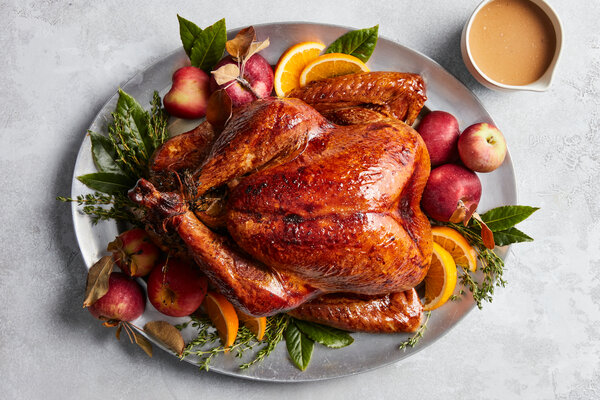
(307, 204)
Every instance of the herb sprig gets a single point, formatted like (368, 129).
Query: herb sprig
(500, 220)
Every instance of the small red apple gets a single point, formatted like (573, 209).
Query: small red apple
(440, 131)
(124, 300)
(189, 93)
(134, 252)
(257, 73)
(177, 288)
(447, 184)
(482, 147)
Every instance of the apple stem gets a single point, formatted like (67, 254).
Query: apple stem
(247, 86)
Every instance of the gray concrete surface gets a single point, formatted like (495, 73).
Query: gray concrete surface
(60, 61)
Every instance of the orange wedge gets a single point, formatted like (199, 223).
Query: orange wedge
(440, 280)
(331, 65)
(257, 325)
(223, 316)
(458, 247)
(292, 63)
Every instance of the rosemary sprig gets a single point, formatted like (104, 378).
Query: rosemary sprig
(414, 339)
(492, 266)
(96, 206)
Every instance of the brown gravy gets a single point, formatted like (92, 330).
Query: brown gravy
(512, 41)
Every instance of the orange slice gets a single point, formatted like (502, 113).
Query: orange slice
(455, 243)
(257, 325)
(223, 316)
(292, 63)
(330, 65)
(440, 280)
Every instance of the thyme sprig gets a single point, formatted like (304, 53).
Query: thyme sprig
(414, 339)
(96, 205)
(492, 266)
(206, 347)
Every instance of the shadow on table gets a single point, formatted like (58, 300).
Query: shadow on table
(72, 269)
(448, 55)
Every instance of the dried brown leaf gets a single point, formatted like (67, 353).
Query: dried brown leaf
(218, 110)
(238, 46)
(226, 73)
(97, 280)
(487, 236)
(167, 334)
(255, 47)
(469, 214)
(143, 343)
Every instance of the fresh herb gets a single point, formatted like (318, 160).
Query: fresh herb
(107, 182)
(205, 346)
(122, 158)
(276, 327)
(327, 336)
(299, 346)
(413, 340)
(500, 221)
(102, 207)
(133, 137)
(204, 47)
(359, 43)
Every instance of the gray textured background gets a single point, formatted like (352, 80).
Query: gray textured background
(59, 63)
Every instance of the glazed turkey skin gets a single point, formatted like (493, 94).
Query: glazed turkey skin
(312, 207)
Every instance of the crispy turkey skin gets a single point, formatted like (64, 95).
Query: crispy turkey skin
(311, 207)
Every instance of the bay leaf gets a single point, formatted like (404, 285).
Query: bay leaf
(510, 236)
(189, 33)
(501, 218)
(327, 336)
(167, 334)
(299, 346)
(226, 73)
(218, 109)
(107, 182)
(104, 154)
(359, 43)
(238, 46)
(97, 280)
(207, 48)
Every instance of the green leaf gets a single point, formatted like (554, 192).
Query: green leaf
(509, 236)
(502, 218)
(189, 33)
(104, 153)
(207, 49)
(135, 121)
(107, 182)
(299, 346)
(330, 337)
(359, 43)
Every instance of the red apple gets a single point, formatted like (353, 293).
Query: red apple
(124, 300)
(439, 130)
(189, 93)
(258, 74)
(447, 184)
(482, 147)
(177, 288)
(134, 252)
